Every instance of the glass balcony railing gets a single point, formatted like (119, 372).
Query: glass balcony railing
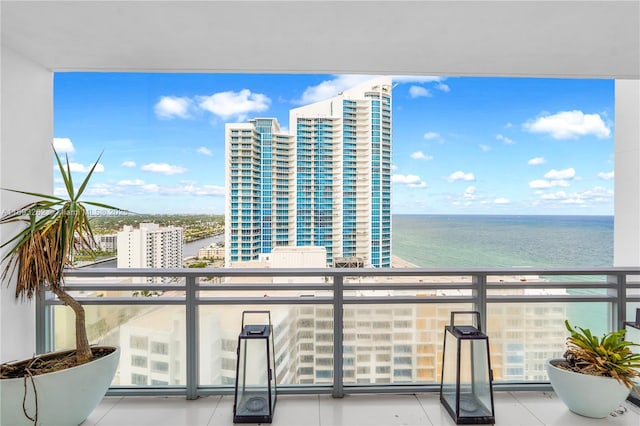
(336, 330)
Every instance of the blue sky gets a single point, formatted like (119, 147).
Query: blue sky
(461, 145)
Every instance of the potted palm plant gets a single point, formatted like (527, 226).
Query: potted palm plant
(596, 374)
(38, 390)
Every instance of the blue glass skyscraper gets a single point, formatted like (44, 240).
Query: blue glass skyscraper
(326, 185)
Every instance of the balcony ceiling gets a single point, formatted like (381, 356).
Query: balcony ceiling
(511, 38)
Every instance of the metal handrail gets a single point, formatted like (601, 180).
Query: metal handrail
(477, 286)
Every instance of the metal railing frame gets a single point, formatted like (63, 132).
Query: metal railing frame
(480, 288)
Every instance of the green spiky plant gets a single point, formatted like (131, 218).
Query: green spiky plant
(54, 228)
(609, 356)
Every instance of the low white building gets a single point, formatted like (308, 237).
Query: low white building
(150, 246)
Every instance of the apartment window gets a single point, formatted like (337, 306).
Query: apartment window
(138, 361)
(324, 374)
(383, 358)
(159, 382)
(138, 379)
(228, 364)
(324, 349)
(402, 373)
(160, 348)
(324, 361)
(159, 366)
(138, 342)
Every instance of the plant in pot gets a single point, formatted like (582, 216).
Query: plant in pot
(596, 374)
(56, 388)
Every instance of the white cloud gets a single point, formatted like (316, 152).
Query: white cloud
(99, 190)
(340, 83)
(169, 107)
(151, 187)
(62, 145)
(236, 105)
(606, 175)
(460, 175)
(163, 168)
(419, 92)
(544, 184)
(412, 181)
(564, 174)
(501, 200)
(443, 87)
(484, 148)
(419, 155)
(536, 161)
(80, 168)
(131, 182)
(505, 139)
(595, 195)
(330, 88)
(470, 192)
(569, 125)
(431, 135)
(128, 164)
(205, 151)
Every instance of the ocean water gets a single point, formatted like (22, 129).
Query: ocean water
(506, 241)
(503, 241)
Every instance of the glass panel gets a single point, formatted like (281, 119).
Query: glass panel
(302, 334)
(475, 387)
(523, 335)
(395, 343)
(450, 371)
(151, 338)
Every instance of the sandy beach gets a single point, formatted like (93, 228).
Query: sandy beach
(398, 262)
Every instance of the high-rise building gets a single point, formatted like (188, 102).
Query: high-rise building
(259, 211)
(343, 171)
(150, 246)
(327, 185)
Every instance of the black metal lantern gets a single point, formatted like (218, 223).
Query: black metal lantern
(255, 394)
(466, 389)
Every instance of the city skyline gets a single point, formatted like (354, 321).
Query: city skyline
(462, 145)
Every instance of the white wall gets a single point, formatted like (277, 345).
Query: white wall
(626, 247)
(27, 130)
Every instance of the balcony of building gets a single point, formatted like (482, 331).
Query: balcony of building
(596, 39)
(369, 325)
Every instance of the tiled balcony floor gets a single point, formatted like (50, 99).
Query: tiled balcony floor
(512, 408)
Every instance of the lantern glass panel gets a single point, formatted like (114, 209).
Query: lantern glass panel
(272, 373)
(449, 370)
(475, 384)
(253, 378)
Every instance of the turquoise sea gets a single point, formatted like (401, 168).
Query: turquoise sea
(503, 241)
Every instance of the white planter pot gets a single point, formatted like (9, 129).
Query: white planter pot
(590, 396)
(65, 398)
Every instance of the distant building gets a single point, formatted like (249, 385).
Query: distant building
(326, 185)
(212, 251)
(343, 173)
(150, 246)
(108, 243)
(260, 173)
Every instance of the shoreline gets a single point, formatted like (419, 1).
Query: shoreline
(398, 262)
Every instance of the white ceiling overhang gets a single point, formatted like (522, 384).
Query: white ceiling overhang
(508, 38)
